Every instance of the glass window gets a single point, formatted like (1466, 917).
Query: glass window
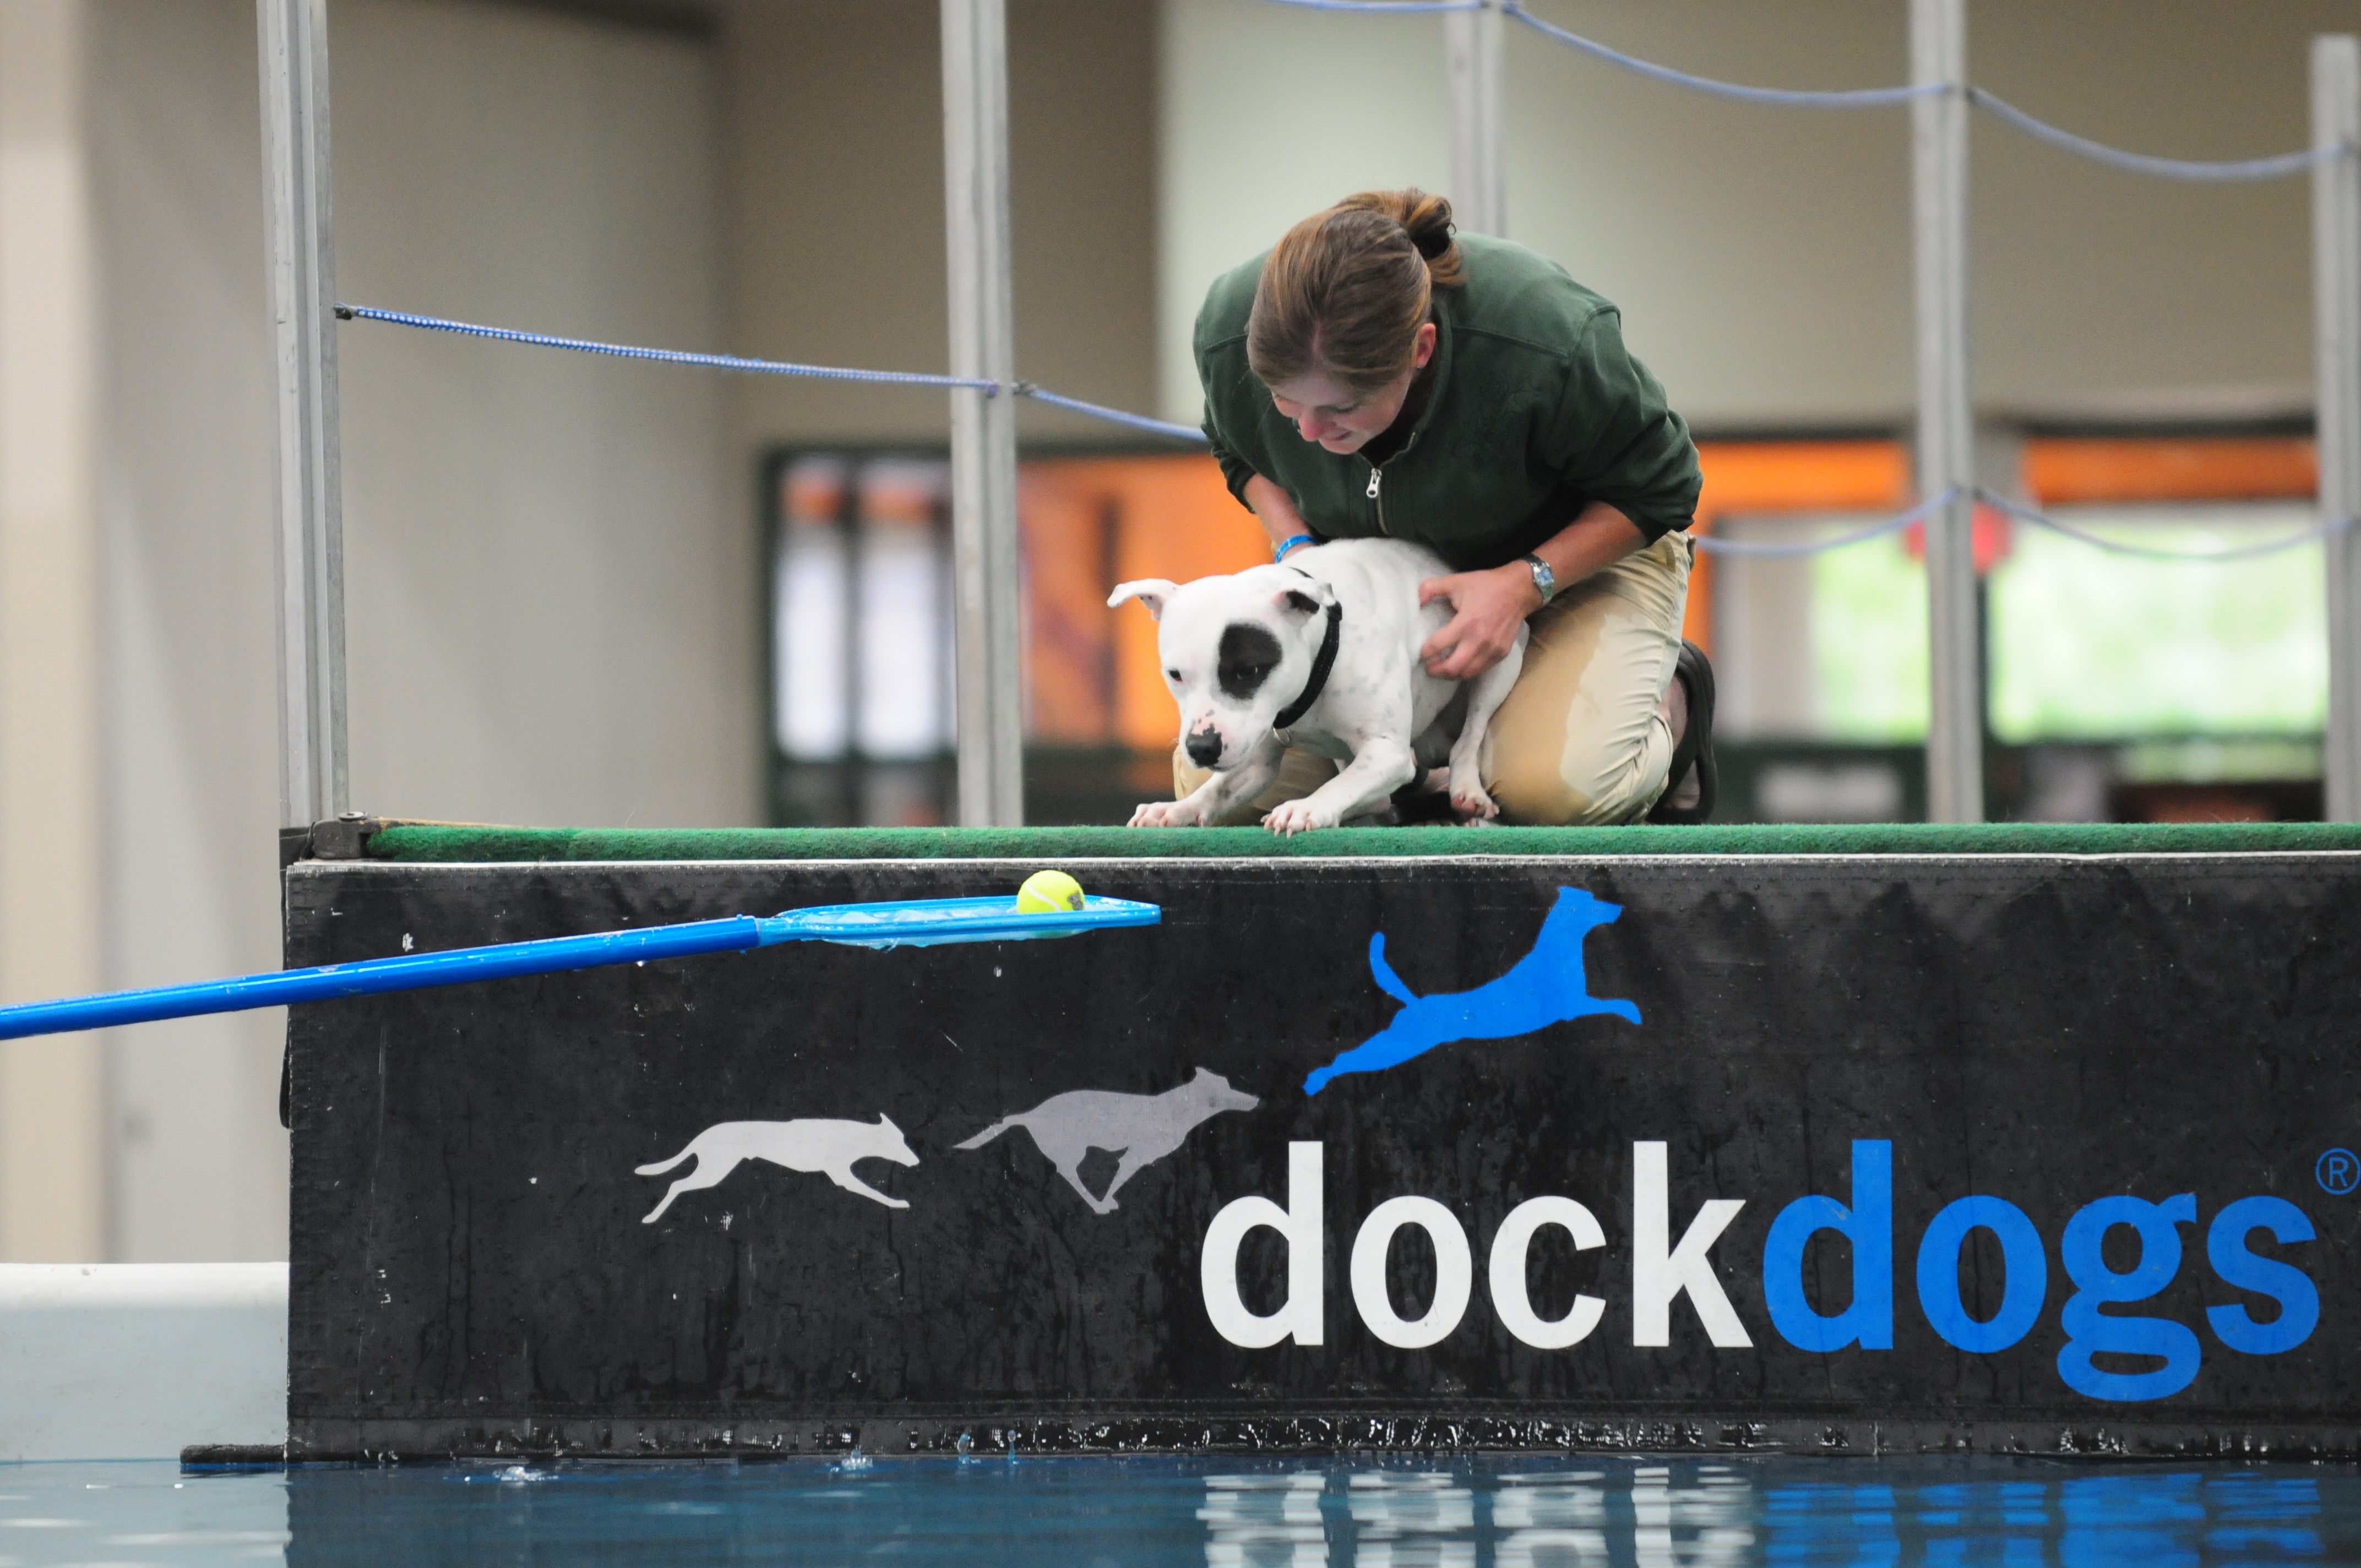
(2089, 645)
(1830, 647)
(1869, 643)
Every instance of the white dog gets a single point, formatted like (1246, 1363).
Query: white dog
(819, 1147)
(1320, 651)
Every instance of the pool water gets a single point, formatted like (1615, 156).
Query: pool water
(1367, 1512)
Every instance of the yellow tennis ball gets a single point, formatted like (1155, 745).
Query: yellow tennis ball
(1047, 892)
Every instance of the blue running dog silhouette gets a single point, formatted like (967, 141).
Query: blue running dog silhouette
(1546, 986)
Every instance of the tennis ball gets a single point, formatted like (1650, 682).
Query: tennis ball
(1047, 892)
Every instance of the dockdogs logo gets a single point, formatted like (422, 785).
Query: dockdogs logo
(2274, 1306)
(2283, 1315)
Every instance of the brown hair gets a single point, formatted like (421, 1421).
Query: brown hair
(1346, 290)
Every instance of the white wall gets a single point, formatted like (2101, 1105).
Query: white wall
(1761, 255)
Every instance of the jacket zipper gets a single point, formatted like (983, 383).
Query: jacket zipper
(1376, 491)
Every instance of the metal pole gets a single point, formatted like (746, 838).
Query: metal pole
(311, 769)
(1939, 125)
(2336, 321)
(1471, 58)
(984, 425)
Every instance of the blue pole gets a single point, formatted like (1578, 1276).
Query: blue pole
(910, 923)
(456, 967)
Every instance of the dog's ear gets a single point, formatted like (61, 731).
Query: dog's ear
(1149, 591)
(1308, 597)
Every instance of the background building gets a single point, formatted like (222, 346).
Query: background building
(561, 571)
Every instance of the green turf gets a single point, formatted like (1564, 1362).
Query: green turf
(432, 842)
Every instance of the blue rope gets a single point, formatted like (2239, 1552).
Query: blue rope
(1400, 7)
(665, 356)
(2219, 171)
(2215, 171)
(1766, 549)
(772, 366)
(1186, 433)
(1759, 549)
(1844, 98)
(1114, 416)
(2150, 552)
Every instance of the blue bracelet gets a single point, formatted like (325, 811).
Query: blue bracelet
(1287, 544)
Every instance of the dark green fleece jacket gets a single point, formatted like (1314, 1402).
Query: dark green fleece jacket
(1536, 409)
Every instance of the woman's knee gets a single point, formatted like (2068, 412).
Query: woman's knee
(1579, 761)
(1614, 787)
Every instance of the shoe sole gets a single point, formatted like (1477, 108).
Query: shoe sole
(1694, 672)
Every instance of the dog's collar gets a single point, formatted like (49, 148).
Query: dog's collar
(1321, 663)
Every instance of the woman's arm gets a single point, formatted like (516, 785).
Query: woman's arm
(1275, 509)
(1488, 606)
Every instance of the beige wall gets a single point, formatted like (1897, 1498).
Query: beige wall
(198, 1167)
(551, 585)
(837, 245)
(1763, 256)
(550, 572)
(549, 559)
(52, 764)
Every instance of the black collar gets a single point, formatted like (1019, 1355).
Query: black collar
(1321, 663)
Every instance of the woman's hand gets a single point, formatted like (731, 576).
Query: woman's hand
(1488, 609)
(1488, 606)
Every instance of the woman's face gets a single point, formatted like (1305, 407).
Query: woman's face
(1340, 420)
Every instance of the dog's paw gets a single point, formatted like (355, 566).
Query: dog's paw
(1164, 814)
(1289, 817)
(1474, 805)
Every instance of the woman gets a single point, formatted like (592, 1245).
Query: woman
(1374, 375)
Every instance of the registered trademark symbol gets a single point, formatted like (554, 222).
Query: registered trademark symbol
(2338, 1171)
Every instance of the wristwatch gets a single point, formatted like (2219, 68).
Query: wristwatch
(1544, 580)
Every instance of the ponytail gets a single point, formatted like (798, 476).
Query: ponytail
(1425, 219)
(1345, 291)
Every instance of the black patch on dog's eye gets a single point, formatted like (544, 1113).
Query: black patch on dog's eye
(1303, 602)
(1247, 657)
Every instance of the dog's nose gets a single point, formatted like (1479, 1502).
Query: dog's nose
(1205, 747)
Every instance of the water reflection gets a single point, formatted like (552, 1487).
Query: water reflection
(1805, 1513)
(1412, 1520)
(1263, 1521)
(1498, 1512)
(1550, 1520)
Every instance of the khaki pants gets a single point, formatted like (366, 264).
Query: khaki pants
(1581, 741)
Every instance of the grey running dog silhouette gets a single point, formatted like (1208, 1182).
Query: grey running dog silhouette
(1546, 986)
(1138, 1129)
(822, 1148)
